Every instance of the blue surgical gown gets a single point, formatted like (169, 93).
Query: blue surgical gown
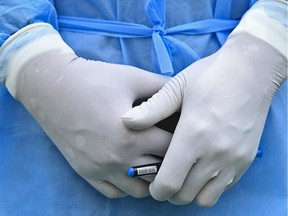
(159, 36)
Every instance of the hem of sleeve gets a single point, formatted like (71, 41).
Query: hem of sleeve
(21, 32)
(26, 45)
(259, 24)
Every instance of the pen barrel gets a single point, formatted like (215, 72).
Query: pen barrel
(147, 169)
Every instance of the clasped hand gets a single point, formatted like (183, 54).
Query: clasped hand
(224, 100)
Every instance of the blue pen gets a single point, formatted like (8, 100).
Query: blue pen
(153, 168)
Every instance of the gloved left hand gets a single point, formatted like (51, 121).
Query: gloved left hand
(224, 100)
(79, 104)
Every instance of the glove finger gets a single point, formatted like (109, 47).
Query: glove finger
(160, 106)
(212, 191)
(175, 167)
(197, 178)
(107, 189)
(135, 187)
(153, 141)
(235, 180)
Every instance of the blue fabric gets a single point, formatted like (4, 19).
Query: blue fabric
(163, 44)
(15, 14)
(170, 42)
(35, 179)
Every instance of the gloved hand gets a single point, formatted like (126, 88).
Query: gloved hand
(224, 100)
(79, 104)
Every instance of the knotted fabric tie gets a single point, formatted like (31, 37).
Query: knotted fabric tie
(163, 41)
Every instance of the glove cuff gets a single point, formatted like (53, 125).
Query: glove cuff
(29, 43)
(266, 20)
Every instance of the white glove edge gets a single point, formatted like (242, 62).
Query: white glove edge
(44, 39)
(266, 23)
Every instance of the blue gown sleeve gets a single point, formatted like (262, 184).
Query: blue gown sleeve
(16, 14)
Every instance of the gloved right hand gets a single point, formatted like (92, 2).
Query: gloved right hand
(224, 100)
(79, 104)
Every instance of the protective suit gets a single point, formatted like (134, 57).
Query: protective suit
(36, 179)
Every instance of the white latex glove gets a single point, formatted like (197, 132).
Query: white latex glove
(224, 100)
(79, 104)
